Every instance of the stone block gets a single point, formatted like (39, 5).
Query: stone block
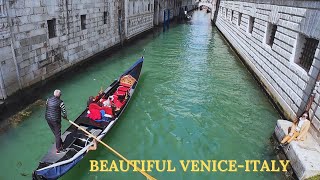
(6, 53)
(40, 10)
(37, 18)
(12, 88)
(23, 12)
(316, 123)
(32, 3)
(313, 72)
(26, 27)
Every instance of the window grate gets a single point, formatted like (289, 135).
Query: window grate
(226, 13)
(251, 24)
(52, 28)
(83, 22)
(239, 19)
(308, 52)
(271, 32)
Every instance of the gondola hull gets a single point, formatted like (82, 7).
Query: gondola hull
(52, 165)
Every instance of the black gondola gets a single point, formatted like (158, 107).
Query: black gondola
(52, 165)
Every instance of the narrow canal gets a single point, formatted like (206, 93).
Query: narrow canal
(195, 100)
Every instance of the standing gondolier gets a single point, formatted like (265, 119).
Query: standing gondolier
(55, 108)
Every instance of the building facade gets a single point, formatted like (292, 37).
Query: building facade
(279, 41)
(39, 38)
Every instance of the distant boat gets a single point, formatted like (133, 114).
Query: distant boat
(52, 165)
(187, 16)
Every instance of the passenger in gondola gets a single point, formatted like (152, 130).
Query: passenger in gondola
(298, 131)
(101, 110)
(90, 100)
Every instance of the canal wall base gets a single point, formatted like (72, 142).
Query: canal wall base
(304, 155)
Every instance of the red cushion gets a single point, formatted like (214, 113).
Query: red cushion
(124, 84)
(117, 102)
(123, 88)
(120, 93)
(94, 111)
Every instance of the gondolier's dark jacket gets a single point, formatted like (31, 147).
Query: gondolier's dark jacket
(53, 109)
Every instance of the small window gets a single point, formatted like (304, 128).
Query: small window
(231, 17)
(148, 7)
(134, 11)
(52, 28)
(308, 47)
(239, 18)
(226, 13)
(251, 24)
(83, 22)
(270, 33)
(105, 17)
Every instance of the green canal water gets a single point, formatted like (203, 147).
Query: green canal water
(195, 100)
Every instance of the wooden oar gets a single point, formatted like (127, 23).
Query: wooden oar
(114, 151)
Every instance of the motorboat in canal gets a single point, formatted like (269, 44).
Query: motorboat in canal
(75, 141)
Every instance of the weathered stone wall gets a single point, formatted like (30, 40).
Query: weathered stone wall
(8, 76)
(276, 66)
(139, 16)
(36, 56)
(248, 25)
(31, 52)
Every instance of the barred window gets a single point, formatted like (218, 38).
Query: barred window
(239, 18)
(52, 28)
(251, 24)
(226, 13)
(83, 22)
(307, 52)
(270, 33)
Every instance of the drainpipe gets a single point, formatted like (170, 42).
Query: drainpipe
(120, 28)
(12, 48)
(67, 19)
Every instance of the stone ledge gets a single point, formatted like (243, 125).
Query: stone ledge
(304, 156)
